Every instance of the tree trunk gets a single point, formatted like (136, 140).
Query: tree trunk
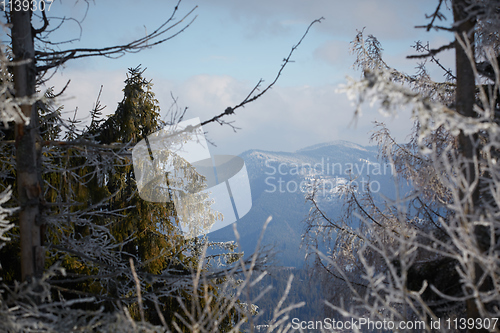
(465, 96)
(465, 99)
(27, 172)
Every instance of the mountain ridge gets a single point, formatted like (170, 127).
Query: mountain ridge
(315, 147)
(275, 181)
(343, 143)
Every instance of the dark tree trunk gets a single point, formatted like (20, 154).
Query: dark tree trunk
(465, 99)
(28, 180)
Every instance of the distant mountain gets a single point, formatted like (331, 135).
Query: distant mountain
(279, 182)
(338, 144)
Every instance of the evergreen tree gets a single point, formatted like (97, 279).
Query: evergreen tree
(149, 224)
(74, 194)
(146, 232)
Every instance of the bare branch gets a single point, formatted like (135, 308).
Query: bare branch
(230, 110)
(433, 52)
(53, 59)
(436, 15)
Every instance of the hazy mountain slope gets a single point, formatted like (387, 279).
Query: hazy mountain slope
(278, 181)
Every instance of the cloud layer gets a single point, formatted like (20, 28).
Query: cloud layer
(218, 60)
(285, 119)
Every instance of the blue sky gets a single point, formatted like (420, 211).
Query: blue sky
(230, 46)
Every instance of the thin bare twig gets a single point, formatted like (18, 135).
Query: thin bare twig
(435, 15)
(230, 110)
(432, 52)
(56, 58)
(138, 287)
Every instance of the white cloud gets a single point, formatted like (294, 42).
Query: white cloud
(342, 17)
(335, 53)
(285, 118)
